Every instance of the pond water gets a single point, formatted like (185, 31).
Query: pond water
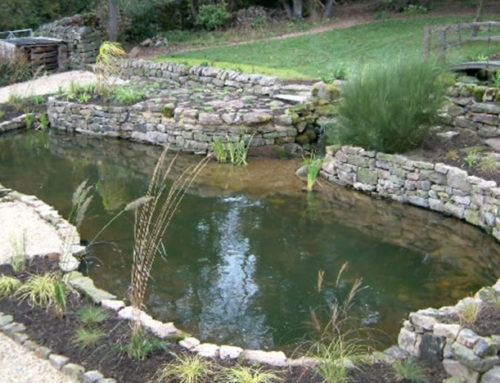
(245, 247)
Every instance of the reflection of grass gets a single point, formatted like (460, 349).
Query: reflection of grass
(320, 55)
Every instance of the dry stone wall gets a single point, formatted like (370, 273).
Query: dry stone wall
(185, 129)
(82, 41)
(474, 107)
(444, 336)
(193, 76)
(437, 187)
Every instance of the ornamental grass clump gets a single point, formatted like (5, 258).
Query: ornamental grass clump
(186, 369)
(391, 108)
(152, 219)
(8, 285)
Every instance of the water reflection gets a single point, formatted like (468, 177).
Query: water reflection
(246, 245)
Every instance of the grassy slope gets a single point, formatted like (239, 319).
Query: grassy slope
(320, 55)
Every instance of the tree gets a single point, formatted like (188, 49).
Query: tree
(114, 14)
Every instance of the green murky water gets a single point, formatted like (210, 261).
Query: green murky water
(246, 245)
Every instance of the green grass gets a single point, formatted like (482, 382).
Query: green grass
(321, 55)
(91, 315)
(85, 337)
(186, 369)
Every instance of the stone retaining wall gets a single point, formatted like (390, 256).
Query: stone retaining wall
(474, 107)
(437, 187)
(200, 75)
(160, 122)
(64, 230)
(443, 336)
(82, 41)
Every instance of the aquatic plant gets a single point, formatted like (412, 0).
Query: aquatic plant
(410, 370)
(219, 150)
(313, 166)
(185, 369)
(152, 219)
(242, 374)
(8, 285)
(29, 120)
(44, 122)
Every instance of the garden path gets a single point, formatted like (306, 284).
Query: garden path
(46, 84)
(18, 365)
(25, 232)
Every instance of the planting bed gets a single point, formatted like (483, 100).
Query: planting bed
(58, 334)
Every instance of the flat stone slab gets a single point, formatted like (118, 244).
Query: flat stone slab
(291, 98)
(86, 286)
(272, 358)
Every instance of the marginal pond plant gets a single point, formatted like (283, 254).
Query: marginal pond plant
(236, 150)
(339, 343)
(313, 165)
(152, 219)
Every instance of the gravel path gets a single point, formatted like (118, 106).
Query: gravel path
(47, 84)
(24, 231)
(18, 365)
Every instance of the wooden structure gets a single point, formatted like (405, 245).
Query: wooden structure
(41, 53)
(450, 36)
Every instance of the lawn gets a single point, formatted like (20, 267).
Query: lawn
(323, 55)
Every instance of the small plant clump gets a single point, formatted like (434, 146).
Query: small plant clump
(141, 345)
(469, 310)
(313, 166)
(39, 290)
(127, 94)
(29, 119)
(473, 158)
(186, 369)
(237, 151)
(409, 370)
(88, 337)
(8, 285)
(91, 315)
(249, 375)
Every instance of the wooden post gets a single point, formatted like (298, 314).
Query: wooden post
(427, 41)
(444, 43)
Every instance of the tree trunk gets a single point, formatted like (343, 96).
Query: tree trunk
(114, 14)
(194, 8)
(297, 9)
(288, 10)
(328, 13)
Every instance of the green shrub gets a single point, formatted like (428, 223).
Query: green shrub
(12, 71)
(391, 108)
(212, 16)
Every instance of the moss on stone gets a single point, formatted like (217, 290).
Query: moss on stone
(295, 118)
(302, 139)
(478, 94)
(168, 110)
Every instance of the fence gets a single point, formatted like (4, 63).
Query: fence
(442, 39)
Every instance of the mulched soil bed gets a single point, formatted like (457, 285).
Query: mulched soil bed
(437, 149)
(108, 356)
(13, 111)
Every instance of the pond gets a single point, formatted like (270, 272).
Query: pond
(245, 248)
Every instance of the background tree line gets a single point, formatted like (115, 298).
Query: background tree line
(134, 20)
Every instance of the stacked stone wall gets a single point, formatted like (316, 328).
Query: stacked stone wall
(437, 187)
(187, 130)
(474, 107)
(82, 41)
(443, 336)
(206, 76)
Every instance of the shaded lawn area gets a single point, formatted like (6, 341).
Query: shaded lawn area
(320, 56)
